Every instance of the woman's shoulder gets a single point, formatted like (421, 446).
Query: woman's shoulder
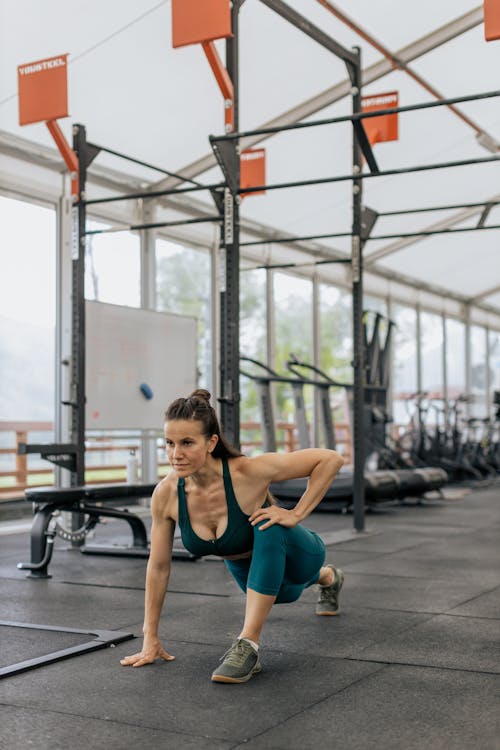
(164, 498)
(246, 466)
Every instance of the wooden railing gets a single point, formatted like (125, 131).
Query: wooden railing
(13, 481)
(19, 474)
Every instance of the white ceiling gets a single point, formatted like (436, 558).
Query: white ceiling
(136, 94)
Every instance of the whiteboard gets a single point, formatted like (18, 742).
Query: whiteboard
(127, 348)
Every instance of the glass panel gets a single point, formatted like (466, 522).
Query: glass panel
(494, 344)
(478, 371)
(431, 348)
(373, 305)
(336, 333)
(252, 344)
(405, 363)
(27, 330)
(494, 401)
(335, 320)
(455, 357)
(183, 287)
(293, 334)
(113, 267)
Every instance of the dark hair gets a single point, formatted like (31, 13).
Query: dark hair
(197, 407)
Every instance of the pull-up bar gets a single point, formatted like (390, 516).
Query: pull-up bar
(396, 236)
(154, 225)
(384, 173)
(404, 211)
(272, 266)
(155, 194)
(356, 116)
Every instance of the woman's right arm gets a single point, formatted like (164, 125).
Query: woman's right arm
(157, 575)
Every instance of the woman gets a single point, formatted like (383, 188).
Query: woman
(221, 501)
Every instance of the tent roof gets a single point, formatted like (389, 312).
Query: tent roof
(136, 94)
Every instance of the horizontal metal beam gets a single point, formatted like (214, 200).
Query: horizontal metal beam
(397, 235)
(356, 116)
(366, 175)
(430, 232)
(274, 266)
(443, 224)
(448, 207)
(154, 225)
(144, 194)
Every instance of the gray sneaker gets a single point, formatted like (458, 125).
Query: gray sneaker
(239, 663)
(328, 600)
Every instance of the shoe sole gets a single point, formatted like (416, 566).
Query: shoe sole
(328, 614)
(236, 680)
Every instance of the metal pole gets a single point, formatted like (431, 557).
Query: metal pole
(63, 328)
(78, 311)
(230, 288)
(368, 175)
(357, 317)
(356, 116)
(144, 164)
(149, 461)
(316, 345)
(152, 194)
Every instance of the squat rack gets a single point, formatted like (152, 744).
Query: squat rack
(227, 152)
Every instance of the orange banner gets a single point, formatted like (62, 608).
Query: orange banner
(43, 90)
(385, 127)
(491, 20)
(195, 21)
(253, 170)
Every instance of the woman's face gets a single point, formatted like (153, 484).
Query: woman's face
(186, 446)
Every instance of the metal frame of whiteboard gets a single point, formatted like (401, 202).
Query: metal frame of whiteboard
(128, 346)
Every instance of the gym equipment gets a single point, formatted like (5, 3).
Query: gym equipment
(263, 382)
(101, 639)
(464, 448)
(83, 503)
(380, 486)
(322, 383)
(377, 357)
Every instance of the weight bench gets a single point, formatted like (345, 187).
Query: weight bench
(81, 501)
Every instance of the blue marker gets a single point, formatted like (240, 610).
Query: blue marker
(146, 391)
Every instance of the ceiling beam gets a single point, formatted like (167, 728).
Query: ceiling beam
(487, 293)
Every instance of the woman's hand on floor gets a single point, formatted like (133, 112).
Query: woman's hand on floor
(151, 651)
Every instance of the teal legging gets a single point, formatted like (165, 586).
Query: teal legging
(284, 562)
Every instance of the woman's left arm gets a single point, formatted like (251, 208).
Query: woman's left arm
(320, 465)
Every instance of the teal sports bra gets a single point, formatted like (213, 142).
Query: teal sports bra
(236, 539)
